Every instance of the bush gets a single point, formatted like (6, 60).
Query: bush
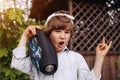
(12, 25)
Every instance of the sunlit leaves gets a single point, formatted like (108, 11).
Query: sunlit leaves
(12, 26)
(14, 14)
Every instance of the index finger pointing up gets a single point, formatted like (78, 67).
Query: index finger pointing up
(103, 40)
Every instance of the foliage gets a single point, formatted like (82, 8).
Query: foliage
(12, 24)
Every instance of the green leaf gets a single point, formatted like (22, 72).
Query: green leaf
(15, 14)
(1, 32)
(8, 35)
(4, 27)
(18, 72)
(3, 52)
(7, 71)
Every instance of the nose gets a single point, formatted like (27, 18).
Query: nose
(62, 35)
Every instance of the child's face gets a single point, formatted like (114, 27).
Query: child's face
(60, 38)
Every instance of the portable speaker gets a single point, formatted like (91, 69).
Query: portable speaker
(42, 53)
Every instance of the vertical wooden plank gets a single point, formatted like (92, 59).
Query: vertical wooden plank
(70, 10)
(90, 59)
(70, 6)
(106, 69)
(117, 67)
(112, 67)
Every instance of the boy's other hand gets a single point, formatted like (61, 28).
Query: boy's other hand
(102, 48)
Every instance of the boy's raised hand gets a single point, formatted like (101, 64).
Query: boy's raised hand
(31, 31)
(102, 48)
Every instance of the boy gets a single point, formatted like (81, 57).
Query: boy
(71, 65)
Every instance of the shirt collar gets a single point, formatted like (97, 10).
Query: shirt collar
(66, 50)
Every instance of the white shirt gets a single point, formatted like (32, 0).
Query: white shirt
(71, 66)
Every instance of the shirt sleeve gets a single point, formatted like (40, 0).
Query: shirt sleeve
(20, 61)
(83, 70)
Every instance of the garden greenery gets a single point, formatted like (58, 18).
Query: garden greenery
(12, 25)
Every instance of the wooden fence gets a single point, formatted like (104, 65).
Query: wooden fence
(92, 23)
(111, 66)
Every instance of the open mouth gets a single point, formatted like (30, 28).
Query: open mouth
(61, 43)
